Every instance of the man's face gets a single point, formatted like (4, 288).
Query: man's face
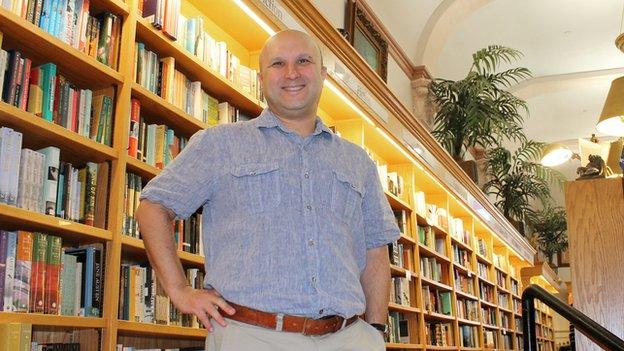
(292, 75)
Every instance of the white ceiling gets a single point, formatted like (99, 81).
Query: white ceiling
(567, 44)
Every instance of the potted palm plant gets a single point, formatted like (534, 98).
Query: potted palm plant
(516, 180)
(549, 229)
(478, 111)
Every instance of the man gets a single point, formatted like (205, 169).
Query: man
(295, 223)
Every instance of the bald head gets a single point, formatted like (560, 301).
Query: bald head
(284, 38)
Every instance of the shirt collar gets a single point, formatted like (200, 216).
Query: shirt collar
(267, 119)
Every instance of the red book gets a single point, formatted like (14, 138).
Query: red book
(53, 274)
(38, 273)
(133, 137)
(23, 267)
(75, 95)
(23, 102)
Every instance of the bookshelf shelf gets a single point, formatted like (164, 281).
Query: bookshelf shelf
(42, 47)
(135, 328)
(153, 106)
(187, 63)
(482, 259)
(402, 346)
(465, 295)
(404, 239)
(52, 320)
(489, 326)
(39, 133)
(463, 269)
(481, 279)
(117, 6)
(141, 168)
(438, 316)
(136, 245)
(428, 252)
(506, 310)
(17, 218)
(401, 308)
(397, 203)
(488, 303)
(468, 321)
(461, 244)
(502, 290)
(436, 284)
(442, 348)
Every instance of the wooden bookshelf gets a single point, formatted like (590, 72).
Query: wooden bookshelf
(385, 145)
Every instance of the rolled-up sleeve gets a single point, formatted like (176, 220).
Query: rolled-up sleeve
(380, 226)
(185, 184)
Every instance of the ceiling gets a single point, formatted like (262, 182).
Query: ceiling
(567, 44)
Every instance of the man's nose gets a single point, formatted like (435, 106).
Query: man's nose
(292, 71)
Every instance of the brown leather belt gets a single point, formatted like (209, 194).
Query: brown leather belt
(288, 323)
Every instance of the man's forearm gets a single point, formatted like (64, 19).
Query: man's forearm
(376, 284)
(156, 224)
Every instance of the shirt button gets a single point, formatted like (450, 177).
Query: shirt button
(311, 242)
(309, 208)
(313, 279)
(306, 176)
(321, 311)
(252, 173)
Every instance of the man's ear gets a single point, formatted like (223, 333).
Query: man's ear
(324, 72)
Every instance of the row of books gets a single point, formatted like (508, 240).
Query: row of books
(483, 271)
(461, 256)
(501, 279)
(155, 144)
(517, 306)
(468, 336)
(18, 337)
(505, 321)
(464, 283)
(514, 286)
(402, 219)
(391, 181)
(430, 268)
(400, 291)
(438, 334)
(70, 21)
(437, 216)
(489, 339)
(38, 181)
(190, 34)
(488, 316)
(457, 231)
(486, 292)
(435, 300)
(427, 237)
(42, 91)
(468, 309)
(398, 328)
(499, 260)
(143, 299)
(121, 347)
(503, 300)
(38, 275)
(482, 247)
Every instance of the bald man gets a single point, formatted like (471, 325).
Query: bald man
(295, 222)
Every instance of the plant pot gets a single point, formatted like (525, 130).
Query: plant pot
(471, 169)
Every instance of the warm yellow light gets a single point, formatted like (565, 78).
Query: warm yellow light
(267, 28)
(611, 121)
(348, 101)
(394, 143)
(555, 154)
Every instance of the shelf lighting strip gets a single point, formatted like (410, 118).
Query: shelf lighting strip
(267, 28)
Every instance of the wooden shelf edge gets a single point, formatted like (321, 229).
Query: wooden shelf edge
(398, 345)
(52, 320)
(45, 222)
(27, 121)
(142, 168)
(396, 202)
(398, 307)
(157, 329)
(185, 257)
(433, 282)
(118, 6)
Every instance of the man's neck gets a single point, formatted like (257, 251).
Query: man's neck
(302, 126)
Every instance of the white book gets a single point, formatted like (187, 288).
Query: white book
(224, 113)
(3, 66)
(81, 111)
(196, 90)
(222, 58)
(78, 287)
(14, 166)
(5, 152)
(87, 112)
(7, 4)
(383, 176)
(9, 273)
(150, 144)
(25, 179)
(39, 180)
(50, 178)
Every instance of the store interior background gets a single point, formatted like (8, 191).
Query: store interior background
(567, 44)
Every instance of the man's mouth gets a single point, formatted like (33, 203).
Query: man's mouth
(293, 88)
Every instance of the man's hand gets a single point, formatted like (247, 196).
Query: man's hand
(203, 303)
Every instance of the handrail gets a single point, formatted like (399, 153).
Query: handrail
(597, 333)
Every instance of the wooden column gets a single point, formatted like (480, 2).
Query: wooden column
(595, 211)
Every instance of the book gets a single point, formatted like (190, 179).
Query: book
(23, 266)
(53, 271)
(9, 270)
(68, 286)
(51, 174)
(38, 272)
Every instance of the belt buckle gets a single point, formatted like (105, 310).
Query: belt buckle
(279, 322)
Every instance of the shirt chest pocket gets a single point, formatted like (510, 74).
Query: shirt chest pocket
(256, 186)
(346, 196)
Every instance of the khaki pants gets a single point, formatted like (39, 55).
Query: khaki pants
(359, 336)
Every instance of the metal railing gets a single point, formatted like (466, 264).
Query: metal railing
(594, 331)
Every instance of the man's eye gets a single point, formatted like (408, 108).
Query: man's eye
(277, 64)
(303, 61)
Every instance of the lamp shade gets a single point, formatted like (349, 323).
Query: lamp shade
(611, 121)
(555, 154)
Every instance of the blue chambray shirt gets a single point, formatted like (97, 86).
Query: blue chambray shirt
(287, 220)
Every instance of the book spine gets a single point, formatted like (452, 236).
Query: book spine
(38, 273)
(23, 267)
(51, 175)
(133, 137)
(9, 273)
(90, 193)
(14, 167)
(49, 89)
(53, 270)
(4, 238)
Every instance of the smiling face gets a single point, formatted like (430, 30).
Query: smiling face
(292, 75)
